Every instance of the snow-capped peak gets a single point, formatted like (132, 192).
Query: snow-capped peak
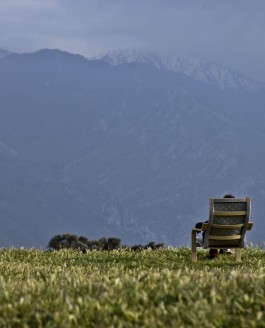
(200, 70)
(122, 56)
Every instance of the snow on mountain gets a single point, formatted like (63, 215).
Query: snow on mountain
(130, 151)
(198, 69)
(118, 57)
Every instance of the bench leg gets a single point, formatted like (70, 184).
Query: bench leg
(193, 247)
(238, 254)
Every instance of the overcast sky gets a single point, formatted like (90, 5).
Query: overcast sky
(229, 32)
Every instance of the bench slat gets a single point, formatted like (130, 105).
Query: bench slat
(225, 237)
(233, 213)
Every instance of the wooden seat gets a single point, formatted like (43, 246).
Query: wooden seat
(226, 227)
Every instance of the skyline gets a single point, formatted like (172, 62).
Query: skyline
(230, 34)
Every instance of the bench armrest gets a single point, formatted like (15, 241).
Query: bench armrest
(196, 229)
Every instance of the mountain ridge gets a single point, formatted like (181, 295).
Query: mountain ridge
(4, 53)
(131, 151)
(201, 70)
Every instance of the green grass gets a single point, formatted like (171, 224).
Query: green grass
(131, 289)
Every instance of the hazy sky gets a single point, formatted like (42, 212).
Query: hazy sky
(229, 32)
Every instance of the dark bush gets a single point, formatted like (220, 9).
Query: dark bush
(137, 248)
(103, 244)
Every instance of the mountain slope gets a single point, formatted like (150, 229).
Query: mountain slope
(200, 70)
(130, 150)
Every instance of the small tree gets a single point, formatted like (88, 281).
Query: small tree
(63, 241)
(137, 247)
(55, 242)
(102, 244)
(160, 245)
(83, 240)
(150, 245)
(70, 238)
(113, 243)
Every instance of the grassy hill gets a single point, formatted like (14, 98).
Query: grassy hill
(131, 289)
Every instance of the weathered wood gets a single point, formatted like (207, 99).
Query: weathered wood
(225, 237)
(204, 226)
(222, 226)
(228, 226)
(232, 213)
(196, 229)
(230, 200)
(220, 220)
(238, 254)
(193, 245)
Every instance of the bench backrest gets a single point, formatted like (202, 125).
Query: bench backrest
(228, 222)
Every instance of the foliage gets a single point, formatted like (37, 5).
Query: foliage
(103, 244)
(68, 241)
(72, 241)
(121, 288)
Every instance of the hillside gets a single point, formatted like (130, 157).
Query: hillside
(197, 69)
(128, 150)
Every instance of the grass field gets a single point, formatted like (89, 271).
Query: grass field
(131, 289)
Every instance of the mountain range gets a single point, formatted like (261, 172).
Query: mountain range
(198, 69)
(127, 144)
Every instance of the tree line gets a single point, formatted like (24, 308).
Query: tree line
(103, 244)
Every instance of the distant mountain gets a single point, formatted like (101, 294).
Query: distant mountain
(4, 53)
(200, 70)
(128, 150)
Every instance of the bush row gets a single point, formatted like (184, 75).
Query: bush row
(103, 244)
